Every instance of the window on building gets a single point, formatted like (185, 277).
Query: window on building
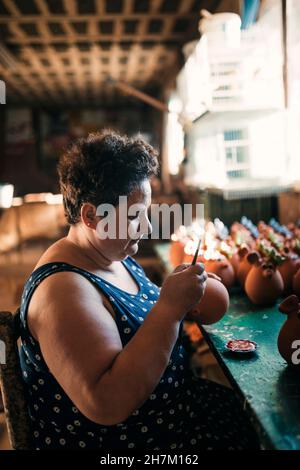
(236, 146)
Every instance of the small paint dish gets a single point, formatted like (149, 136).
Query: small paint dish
(243, 346)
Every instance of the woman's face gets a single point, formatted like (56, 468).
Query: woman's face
(129, 225)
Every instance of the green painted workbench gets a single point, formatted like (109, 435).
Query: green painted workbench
(268, 388)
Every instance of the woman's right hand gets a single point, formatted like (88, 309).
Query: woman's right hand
(183, 289)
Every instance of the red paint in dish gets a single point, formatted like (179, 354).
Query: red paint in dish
(241, 345)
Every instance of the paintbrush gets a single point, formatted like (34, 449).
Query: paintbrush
(196, 252)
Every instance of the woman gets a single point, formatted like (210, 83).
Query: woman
(101, 354)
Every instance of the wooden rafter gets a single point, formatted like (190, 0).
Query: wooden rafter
(59, 56)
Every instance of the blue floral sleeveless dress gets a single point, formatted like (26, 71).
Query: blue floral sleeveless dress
(183, 412)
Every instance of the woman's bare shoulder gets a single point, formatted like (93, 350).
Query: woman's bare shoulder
(62, 287)
(60, 293)
(58, 251)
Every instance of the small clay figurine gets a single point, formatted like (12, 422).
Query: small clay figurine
(213, 305)
(289, 336)
(244, 266)
(296, 283)
(222, 268)
(264, 283)
(288, 268)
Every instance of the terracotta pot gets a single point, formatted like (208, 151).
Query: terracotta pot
(244, 266)
(288, 341)
(264, 283)
(296, 283)
(189, 258)
(176, 253)
(287, 270)
(264, 229)
(223, 269)
(214, 303)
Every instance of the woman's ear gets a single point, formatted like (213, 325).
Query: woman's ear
(88, 215)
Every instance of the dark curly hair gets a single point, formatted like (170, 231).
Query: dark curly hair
(101, 167)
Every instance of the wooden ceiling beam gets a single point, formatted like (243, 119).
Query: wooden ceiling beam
(42, 6)
(12, 8)
(140, 47)
(107, 16)
(155, 6)
(71, 9)
(185, 8)
(24, 40)
(128, 8)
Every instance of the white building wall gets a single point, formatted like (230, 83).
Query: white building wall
(268, 154)
(266, 139)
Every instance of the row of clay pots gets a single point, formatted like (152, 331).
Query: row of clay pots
(263, 282)
(215, 303)
(264, 285)
(266, 282)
